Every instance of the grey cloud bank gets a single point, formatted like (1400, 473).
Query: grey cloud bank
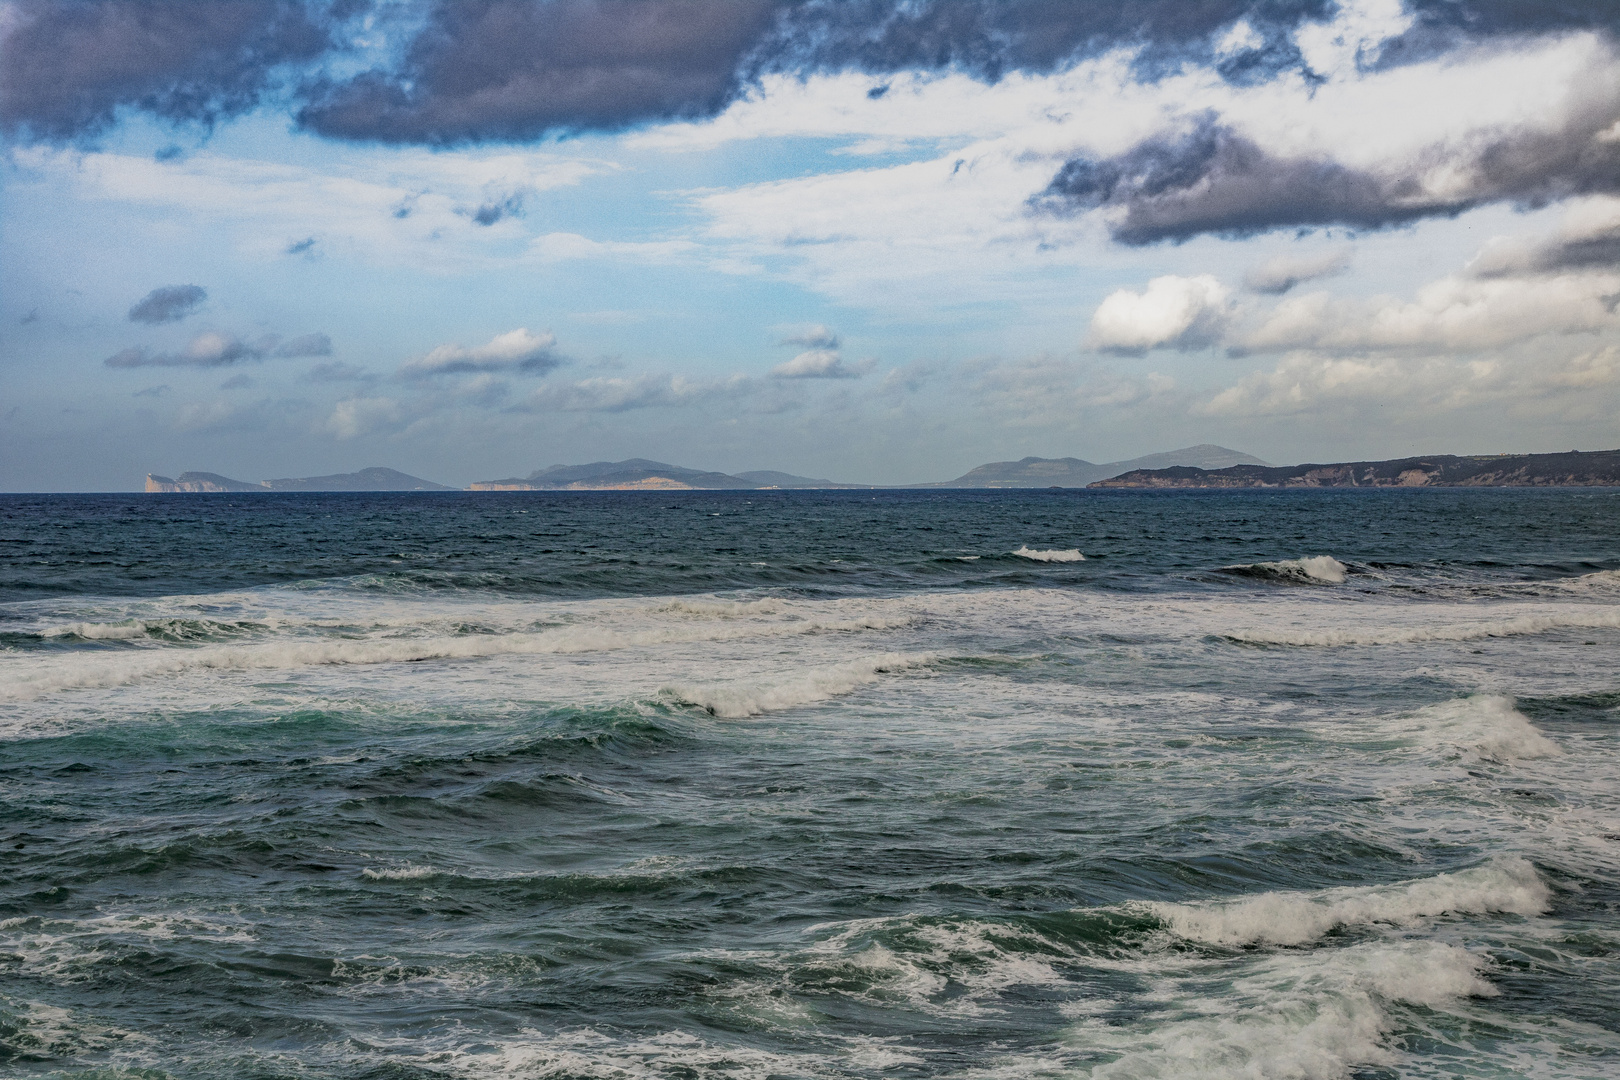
(66, 67)
(211, 350)
(502, 70)
(1211, 178)
(520, 70)
(169, 303)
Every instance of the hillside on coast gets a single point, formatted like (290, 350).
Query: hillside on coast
(1600, 468)
(641, 474)
(1035, 472)
(375, 478)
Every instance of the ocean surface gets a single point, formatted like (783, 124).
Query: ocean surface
(760, 785)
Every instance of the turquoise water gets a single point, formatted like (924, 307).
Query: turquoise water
(845, 784)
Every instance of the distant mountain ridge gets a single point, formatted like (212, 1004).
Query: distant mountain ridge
(1077, 472)
(1600, 468)
(644, 474)
(641, 474)
(375, 478)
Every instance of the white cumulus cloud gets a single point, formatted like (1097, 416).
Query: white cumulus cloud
(514, 351)
(1173, 312)
(1454, 312)
(817, 364)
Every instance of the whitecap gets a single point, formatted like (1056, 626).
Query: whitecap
(408, 872)
(1302, 1017)
(1314, 570)
(1051, 555)
(1487, 725)
(1507, 884)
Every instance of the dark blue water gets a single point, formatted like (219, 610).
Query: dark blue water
(642, 544)
(1287, 784)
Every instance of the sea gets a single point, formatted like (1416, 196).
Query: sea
(762, 785)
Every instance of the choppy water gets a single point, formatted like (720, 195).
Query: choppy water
(1305, 784)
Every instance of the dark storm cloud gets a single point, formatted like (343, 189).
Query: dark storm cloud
(67, 66)
(990, 38)
(170, 303)
(514, 70)
(1439, 26)
(484, 70)
(517, 69)
(1212, 179)
(508, 70)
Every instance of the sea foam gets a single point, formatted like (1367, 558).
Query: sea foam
(1506, 884)
(103, 671)
(1596, 618)
(750, 698)
(408, 872)
(1487, 725)
(1295, 1017)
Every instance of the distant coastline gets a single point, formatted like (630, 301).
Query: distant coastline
(372, 479)
(1196, 467)
(1598, 468)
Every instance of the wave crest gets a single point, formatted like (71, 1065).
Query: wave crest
(1507, 884)
(1487, 725)
(1314, 570)
(1049, 555)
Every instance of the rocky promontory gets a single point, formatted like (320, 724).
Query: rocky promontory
(375, 478)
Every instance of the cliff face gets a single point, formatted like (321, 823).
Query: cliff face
(199, 481)
(1574, 469)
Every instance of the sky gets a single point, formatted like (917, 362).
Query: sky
(879, 241)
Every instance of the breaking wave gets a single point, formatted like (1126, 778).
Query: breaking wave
(1310, 1017)
(1051, 555)
(1598, 618)
(1486, 725)
(743, 699)
(102, 671)
(1315, 570)
(1507, 884)
(170, 630)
